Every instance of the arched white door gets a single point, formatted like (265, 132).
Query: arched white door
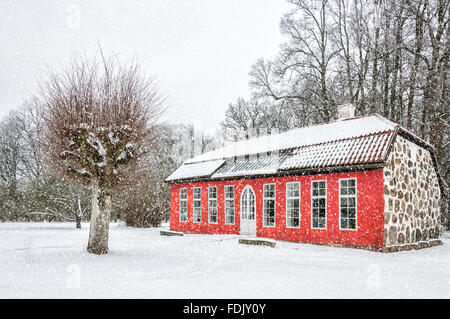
(248, 211)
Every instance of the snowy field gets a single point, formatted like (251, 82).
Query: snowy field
(49, 261)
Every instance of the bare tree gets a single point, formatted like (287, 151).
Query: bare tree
(30, 121)
(100, 120)
(147, 203)
(256, 115)
(57, 200)
(10, 154)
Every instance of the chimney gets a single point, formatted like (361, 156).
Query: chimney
(345, 111)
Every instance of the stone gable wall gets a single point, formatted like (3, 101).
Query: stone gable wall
(412, 197)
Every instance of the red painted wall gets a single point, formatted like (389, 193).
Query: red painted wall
(370, 212)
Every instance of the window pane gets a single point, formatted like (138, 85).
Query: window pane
(321, 202)
(351, 213)
(344, 223)
(315, 202)
(352, 223)
(315, 223)
(352, 202)
(322, 223)
(322, 212)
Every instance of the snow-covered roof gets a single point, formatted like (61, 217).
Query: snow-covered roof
(195, 170)
(359, 140)
(254, 165)
(361, 150)
(317, 134)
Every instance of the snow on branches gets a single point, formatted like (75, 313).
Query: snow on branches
(100, 120)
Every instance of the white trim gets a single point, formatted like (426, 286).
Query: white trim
(193, 205)
(217, 209)
(318, 197)
(179, 208)
(299, 204)
(356, 203)
(274, 206)
(225, 204)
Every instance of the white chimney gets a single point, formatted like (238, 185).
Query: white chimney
(345, 111)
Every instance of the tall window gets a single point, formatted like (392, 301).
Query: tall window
(183, 204)
(347, 203)
(229, 205)
(248, 207)
(197, 207)
(269, 205)
(212, 205)
(319, 204)
(293, 205)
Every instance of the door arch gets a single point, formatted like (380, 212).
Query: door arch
(248, 211)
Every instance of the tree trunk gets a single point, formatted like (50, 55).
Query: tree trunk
(100, 216)
(78, 221)
(78, 212)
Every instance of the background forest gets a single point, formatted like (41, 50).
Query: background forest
(386, 57)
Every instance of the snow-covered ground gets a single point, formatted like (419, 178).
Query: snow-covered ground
(49, 261)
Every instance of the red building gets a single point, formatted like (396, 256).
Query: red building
(360, 181)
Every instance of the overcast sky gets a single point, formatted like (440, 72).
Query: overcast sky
(200, 50)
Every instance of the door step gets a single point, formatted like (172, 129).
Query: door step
(170, 233)
(257, 241)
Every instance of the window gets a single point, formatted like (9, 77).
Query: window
(229, 205)
(212, 205)
(197, 207)
(347, 203)
(319, 204)
(293, 205)
(183, 204)
(269, 205)
(248, 207)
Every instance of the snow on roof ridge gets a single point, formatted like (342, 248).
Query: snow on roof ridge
(224, 152)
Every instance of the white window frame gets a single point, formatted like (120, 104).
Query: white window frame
(318, 197)
(225, 204)
(274, 206)
(250, 189)
(193, 205)
(299, 204)
(183, 200)
(217, 210)
(349, 196)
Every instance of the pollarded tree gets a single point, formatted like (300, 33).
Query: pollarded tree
(100, 120)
